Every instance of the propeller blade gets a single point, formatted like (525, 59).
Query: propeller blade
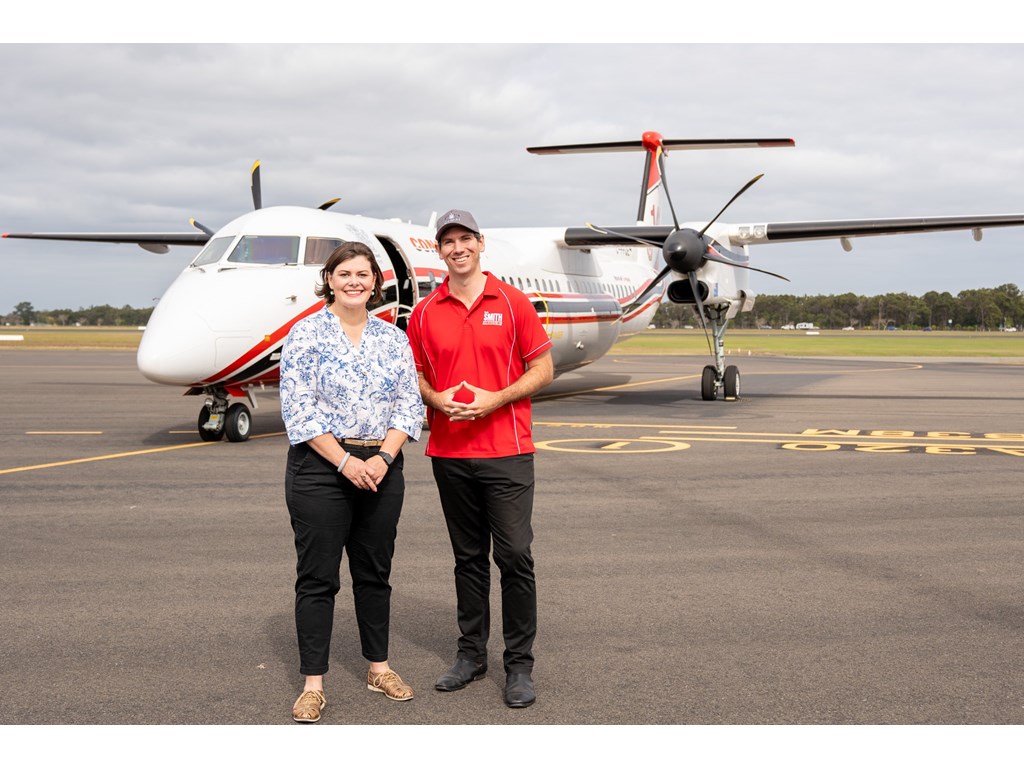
(257, 195)
(200, 227)
(643, 294)
(746, 186)
(695, 287)
(709, 257)
(624, 236)
(329, 203)
(664, 183)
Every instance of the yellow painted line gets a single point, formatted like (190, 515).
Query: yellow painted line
(688, 431)
(838, 438)
(63, 433)
(806, 440)
(900, 367)
(126, 454)
(616, 386)
(808, 445)
(890, 369)
(621, 424)
(559, 445)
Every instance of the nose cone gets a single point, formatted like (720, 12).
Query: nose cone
(178, 346)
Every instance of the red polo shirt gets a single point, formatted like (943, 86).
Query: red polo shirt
(487, 345)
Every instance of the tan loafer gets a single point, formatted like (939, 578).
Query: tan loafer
(308, 706)
(390, 684)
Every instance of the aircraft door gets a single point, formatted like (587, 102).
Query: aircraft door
(403, 281)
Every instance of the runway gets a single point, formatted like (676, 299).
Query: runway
(842, 545)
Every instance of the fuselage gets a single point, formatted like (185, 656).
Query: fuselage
(223, 321)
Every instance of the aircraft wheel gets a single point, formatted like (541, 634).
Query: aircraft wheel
(708, 390)
(208, 435)
(732, 383)
(238, 423)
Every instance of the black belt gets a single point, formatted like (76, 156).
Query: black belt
(361, 443)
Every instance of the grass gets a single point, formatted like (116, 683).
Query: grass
(58, 337)
(654, 342)
(831, 343)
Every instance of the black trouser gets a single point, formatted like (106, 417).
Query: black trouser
(330, 514)
(485, 500)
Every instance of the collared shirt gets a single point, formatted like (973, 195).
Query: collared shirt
(488, 345)
(330, 386)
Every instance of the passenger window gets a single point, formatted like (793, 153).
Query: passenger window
(271, 249)
(213, 251)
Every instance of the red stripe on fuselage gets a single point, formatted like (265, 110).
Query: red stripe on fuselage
(268, 341)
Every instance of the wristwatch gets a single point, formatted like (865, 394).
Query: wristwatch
(388, 458)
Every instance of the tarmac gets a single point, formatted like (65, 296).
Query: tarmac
(842, 545)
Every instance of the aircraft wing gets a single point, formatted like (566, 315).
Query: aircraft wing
(157, 242)
(793, 231)
(750, 234)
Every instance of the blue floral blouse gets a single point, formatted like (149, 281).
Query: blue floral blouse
(329, 385)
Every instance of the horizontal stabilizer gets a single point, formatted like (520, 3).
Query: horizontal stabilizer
(667, 145)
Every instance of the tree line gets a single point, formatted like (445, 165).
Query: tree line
(977, 309)
(25, 314)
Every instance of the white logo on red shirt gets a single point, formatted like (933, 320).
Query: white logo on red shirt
(492, 318)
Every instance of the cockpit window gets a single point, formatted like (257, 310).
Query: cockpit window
(270, 249)
(319, 249)
(213, 251)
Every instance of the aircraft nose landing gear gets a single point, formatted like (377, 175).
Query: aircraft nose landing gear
(218, 420)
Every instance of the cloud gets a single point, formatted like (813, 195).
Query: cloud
(142, 137)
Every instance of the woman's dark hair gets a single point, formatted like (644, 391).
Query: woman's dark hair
(344, 252)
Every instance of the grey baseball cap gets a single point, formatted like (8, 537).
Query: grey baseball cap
(456, 218)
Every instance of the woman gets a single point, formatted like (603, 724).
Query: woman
(350, 399)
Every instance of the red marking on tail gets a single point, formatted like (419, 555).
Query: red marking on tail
(652, 142)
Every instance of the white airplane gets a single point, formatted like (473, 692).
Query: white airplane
(219, 328)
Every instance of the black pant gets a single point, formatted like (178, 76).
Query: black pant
(485, 500)
(330, 514)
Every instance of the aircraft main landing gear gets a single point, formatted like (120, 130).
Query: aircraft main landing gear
(719, 375)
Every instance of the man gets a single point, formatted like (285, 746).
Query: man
(481, 352)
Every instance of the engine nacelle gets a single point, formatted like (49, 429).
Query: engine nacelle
(680, 292)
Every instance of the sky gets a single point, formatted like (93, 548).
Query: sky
(122, 136)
